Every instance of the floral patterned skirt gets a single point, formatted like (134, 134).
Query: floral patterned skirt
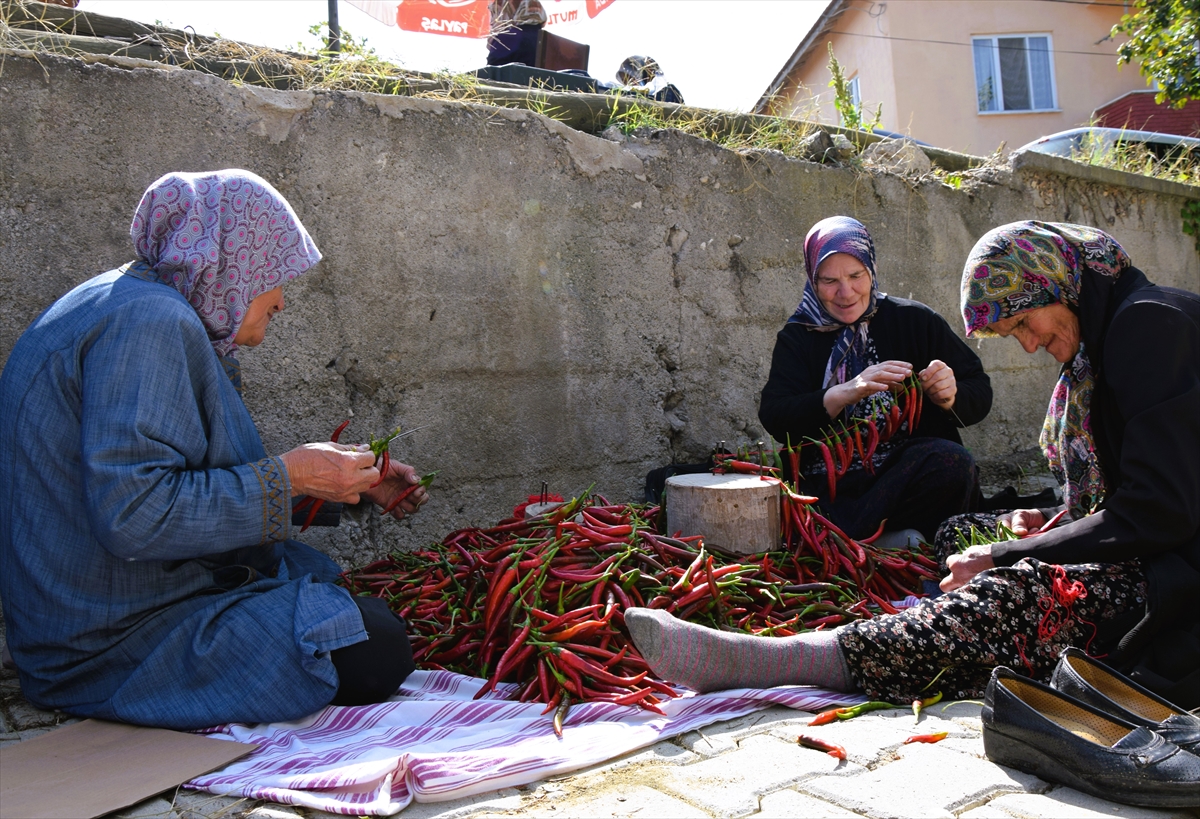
(1021, 616)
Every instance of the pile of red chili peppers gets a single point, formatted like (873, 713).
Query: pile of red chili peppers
(540, 602)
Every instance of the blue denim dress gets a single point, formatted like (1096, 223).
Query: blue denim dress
(145, 568)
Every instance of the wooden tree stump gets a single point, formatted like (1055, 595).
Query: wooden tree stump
(738, 514)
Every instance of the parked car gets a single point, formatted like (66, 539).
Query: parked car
(1088, 140)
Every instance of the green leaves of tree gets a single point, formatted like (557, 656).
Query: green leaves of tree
(1164, 36)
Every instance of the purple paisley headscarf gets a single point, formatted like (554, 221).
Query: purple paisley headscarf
(1025, 265)
(221, 239)
(852, 351)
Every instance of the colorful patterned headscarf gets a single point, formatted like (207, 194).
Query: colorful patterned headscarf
(221, 239)
(852, 351)
(1025, 265)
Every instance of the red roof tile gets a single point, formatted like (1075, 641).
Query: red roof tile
(1138, 111)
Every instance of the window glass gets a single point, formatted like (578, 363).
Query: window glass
(1013, 73)
(1039, 72)
(985, 79)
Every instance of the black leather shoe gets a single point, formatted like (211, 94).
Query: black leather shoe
(1033, 728)
(1083, 678)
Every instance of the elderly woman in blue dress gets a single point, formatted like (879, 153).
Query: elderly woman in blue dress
(146, 565)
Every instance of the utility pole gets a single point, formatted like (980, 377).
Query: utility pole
(335, 30)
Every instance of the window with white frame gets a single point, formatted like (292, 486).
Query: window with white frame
(1014, 72)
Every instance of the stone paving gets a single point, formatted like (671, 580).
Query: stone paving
(751, 766)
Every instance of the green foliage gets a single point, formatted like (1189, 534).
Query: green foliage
(348, 46)
(1191, 219)
(1164, 36)
(766, 133)
(1181, 166)
(843, 100)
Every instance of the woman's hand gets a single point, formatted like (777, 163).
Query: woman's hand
(876, 378)
(398, 478)
(329, 471)
(938, 382)
(1023, 521)
(963, 567)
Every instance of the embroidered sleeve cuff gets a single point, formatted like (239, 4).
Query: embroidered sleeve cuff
(277, 503)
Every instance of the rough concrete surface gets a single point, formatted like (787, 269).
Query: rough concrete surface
(556, 306)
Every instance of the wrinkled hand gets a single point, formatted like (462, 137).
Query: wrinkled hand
(1023, 521)
(399, 477)
(963, 567)
(329, 471)
(876, 378)
(938, 382)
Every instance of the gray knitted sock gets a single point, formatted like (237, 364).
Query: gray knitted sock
(705, 659)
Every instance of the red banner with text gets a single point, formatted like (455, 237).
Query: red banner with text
(458, 18)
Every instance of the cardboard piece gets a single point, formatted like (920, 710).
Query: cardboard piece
(95, 767)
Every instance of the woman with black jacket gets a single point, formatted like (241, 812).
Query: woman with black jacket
(839, 360)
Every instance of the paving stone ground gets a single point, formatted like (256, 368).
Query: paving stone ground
(751, 766)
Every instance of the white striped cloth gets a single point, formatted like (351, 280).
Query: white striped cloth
(432, 742)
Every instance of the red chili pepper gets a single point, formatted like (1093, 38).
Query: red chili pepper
(1047, 526)
(748, 468)
(826, 717)
(383, 469)
(830, 473)
(586, 666)
(834, 750)
(712, 580)
(878, 532)
(503, 576)
(425, 481)
(337, 433)
(935, 737)
(506, 659)
(843, 456)
(606, 515)
(893, 420)
(858, 443)
(575, 630)
(872, 443)
(312, 513)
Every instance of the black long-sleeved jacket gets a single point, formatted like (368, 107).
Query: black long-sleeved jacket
(1145, 418)
(792, 408)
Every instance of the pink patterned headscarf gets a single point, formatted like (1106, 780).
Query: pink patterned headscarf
(221, 239)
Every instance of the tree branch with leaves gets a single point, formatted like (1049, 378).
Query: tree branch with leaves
(1164, 37)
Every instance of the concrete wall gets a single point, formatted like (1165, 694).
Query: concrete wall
(915, 58)
(557, 306)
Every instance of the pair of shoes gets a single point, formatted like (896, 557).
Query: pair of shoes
(1032, 727)
(1083, 678)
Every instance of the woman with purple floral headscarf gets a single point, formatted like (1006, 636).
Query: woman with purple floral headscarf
(145, 563)
(837, 360)
(1122, 433)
